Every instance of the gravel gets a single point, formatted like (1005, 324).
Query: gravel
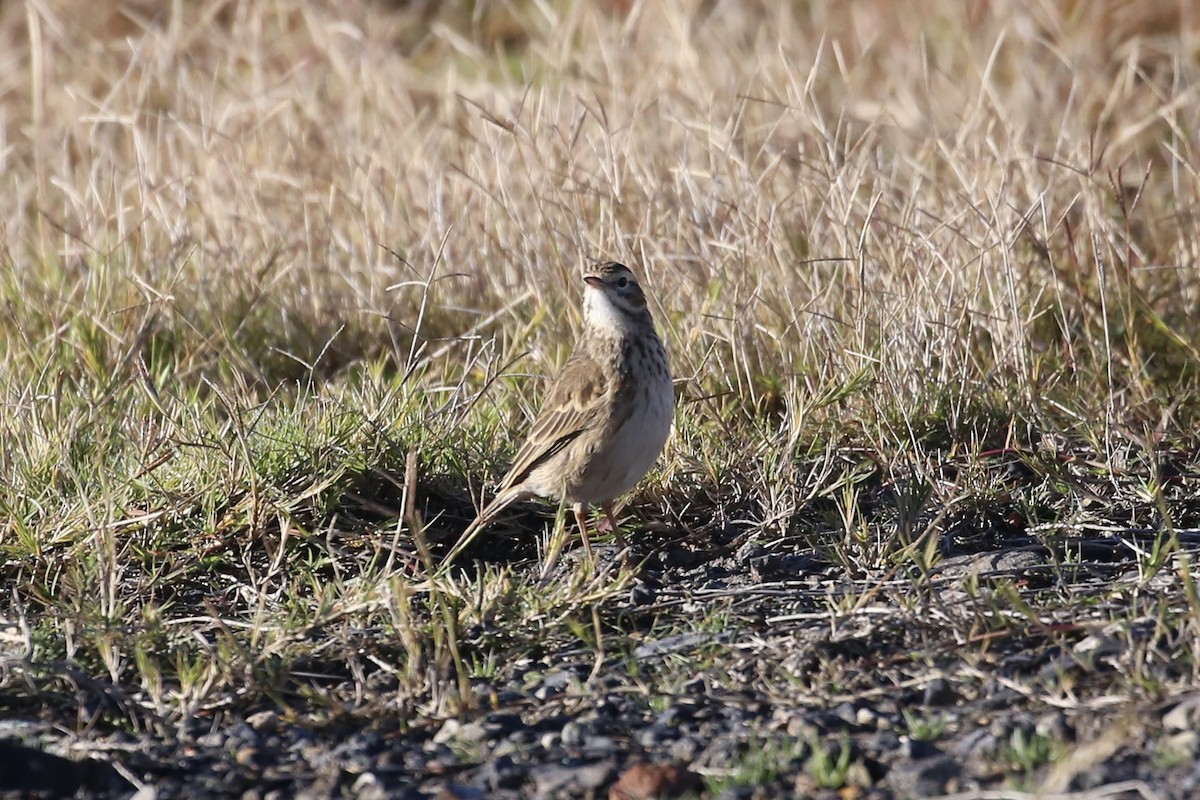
(782, 697)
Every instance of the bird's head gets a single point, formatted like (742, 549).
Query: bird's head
(613, 300)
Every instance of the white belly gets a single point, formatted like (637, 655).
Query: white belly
(635, 446)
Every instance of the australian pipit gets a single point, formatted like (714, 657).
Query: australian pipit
(606, 416)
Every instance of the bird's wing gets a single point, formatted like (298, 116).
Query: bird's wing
(573, 405)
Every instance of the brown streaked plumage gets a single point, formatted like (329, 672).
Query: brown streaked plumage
(606, 416)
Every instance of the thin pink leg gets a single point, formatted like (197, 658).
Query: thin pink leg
(581, 520)
(622, 548)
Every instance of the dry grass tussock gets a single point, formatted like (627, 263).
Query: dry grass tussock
(255, 253)
(961, 202)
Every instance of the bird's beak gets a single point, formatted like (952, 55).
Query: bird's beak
(593, 281)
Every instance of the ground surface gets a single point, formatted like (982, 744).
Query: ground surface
(732, 665)
(280, 285)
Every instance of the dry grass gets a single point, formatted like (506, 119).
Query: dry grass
(255, 254)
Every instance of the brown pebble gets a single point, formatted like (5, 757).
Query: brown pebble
(644, 781)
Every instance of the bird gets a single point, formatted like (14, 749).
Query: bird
(605, 418)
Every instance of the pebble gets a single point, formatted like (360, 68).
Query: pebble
(555, 779)
(1184, 716)
(646, 780)
(471, 733)
(599, 746)
(500, 772)
(927, 777)
(939, 692)
(367, 787)
(685, 749)
(552, 684)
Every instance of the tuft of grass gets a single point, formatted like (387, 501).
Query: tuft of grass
(924, 727)
(829, 771)
(761, 764)
(1027, 752)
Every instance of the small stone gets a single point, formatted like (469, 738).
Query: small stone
(367, 787)
(847, 713)
(598, 746)
(858, 774)
(866, 717)
(669, 645)
(641, 594)
(511, 746)
(651, 737)
(1184, 716)
(592, 776)
(644, 781)
(448, 732)
(550, 779)
(454, 731)
(572, 734)
(210, 740)
(554, 780)
(553, 683)
(686, 749)
(939, 692)
(265, 722)
(500, 773)
(928, 777)
(240, 733)
(800, 727)
(251, 756)
(1098, 645)
(472, 732)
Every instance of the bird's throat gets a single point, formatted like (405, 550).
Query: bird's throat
(602, 316)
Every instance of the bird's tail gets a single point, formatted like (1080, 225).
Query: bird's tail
(489, 512)
(465, 540)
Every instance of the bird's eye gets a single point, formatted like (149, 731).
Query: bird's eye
(622, 283)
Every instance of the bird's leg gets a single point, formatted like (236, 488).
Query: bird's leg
(612, 525)
(581, 519)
